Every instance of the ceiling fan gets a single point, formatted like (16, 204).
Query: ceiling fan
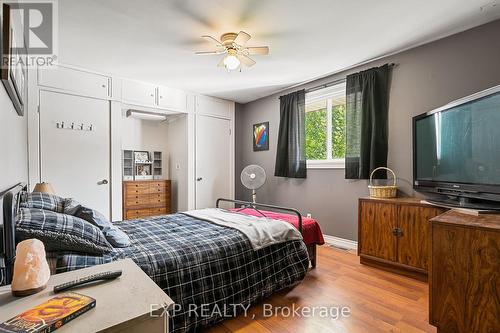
(236, 52)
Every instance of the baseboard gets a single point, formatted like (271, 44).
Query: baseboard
(341, 242)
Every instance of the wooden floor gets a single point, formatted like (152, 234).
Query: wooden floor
(379, 301)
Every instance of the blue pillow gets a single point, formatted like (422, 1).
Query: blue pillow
(41, 200)
(113, 234)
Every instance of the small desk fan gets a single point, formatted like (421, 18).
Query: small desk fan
(253, 177)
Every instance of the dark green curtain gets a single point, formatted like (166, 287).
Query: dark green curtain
(290, 154)
(367, 114)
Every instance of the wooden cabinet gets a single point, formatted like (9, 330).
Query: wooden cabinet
(464, 276)
(146, 198)
(393, 234)
(378, 222)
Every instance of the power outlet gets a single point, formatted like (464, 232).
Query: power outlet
(177, 166)
(309, 215)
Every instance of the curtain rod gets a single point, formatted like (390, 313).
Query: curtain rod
(332, 83)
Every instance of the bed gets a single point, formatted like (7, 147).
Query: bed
(311, 230)
(196, 263)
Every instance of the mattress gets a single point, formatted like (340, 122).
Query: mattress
(311, 230)
(200, 263)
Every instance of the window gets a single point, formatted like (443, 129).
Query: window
(325, 127)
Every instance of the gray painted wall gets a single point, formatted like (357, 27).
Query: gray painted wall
(426, 77)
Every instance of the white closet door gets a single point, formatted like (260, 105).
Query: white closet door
(212, 160)
(76, 162)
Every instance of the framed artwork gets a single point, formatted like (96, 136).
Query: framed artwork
(13, 69)
(141, 156)
(261, 136)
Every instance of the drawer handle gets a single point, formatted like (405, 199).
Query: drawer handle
(397, 232)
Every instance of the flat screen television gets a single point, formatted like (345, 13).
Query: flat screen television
(456, 152)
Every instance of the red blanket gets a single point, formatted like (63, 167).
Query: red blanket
(311, 231)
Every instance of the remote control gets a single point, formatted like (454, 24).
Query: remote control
(109, 275)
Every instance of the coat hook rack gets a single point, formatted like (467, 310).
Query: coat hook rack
(75, 127)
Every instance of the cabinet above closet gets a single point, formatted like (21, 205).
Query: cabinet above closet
(131, 92)
(80, 82)
(149, 95)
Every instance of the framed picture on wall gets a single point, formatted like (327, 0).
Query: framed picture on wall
(13, 63)
(261, 136)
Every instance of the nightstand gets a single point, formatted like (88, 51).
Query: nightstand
(122, 304)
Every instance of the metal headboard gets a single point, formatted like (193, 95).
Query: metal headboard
(253, 205)
(10, 201)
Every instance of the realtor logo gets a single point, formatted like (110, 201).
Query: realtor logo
(33, 27)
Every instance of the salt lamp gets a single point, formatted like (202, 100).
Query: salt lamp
(31, 270)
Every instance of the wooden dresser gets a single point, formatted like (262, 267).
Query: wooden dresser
(393, 234)
(142, 198)
(464, 281)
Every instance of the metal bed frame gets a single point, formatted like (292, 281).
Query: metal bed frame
(254, 205)
(10, 201)
(311, 248)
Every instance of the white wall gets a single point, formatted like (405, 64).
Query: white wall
(13, 135)
(138, 134)
(178, 161)
(13, 144)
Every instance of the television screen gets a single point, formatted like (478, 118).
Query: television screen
(460, 144)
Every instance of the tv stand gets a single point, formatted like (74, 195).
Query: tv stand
(463, 202)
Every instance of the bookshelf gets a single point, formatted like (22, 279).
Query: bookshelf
(144, 168)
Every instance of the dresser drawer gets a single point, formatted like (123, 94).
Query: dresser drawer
(158, 187)
(137, 200)
(158, 199)
(159, 211)
(137, 213)
(136, 188)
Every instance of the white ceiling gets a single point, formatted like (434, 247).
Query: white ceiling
(155, 40)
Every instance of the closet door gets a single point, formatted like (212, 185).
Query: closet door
(213, 160)
(75, 161)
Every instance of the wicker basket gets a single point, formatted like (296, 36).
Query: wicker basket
(383, 191)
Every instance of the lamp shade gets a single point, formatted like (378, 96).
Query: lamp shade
(44, 188)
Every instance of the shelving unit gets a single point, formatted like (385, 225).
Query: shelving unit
(132, 168)
(128, 165)
(157, 165)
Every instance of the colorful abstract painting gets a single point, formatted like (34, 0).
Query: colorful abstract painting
(261, 136)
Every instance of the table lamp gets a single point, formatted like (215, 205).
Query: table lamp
(44, 188)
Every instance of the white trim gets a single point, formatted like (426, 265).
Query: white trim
(341, 242)
(338, 163)
(329, 129)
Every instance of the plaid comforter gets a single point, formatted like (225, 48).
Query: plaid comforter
(200, 263)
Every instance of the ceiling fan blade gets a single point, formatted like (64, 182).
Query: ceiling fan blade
(213, 39)
(210, 52)
(242, 38)
(259, 50)
(247, 61)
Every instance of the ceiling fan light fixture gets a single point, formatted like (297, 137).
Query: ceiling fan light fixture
(233, 45)
(231, 62)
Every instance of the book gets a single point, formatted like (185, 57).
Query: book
(49, 316)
